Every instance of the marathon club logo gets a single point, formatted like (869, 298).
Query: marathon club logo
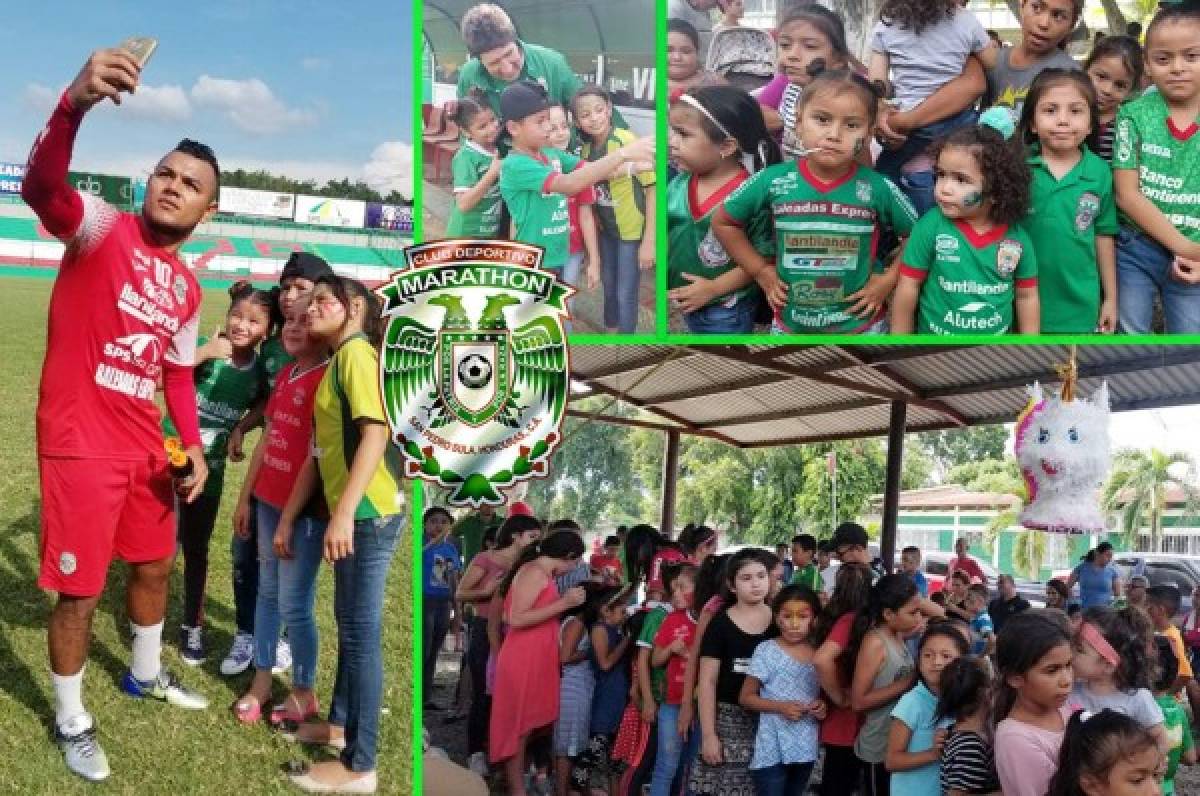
(474, 365)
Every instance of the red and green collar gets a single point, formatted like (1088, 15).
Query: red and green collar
(818, 183)
(980, 240)
(700, 209)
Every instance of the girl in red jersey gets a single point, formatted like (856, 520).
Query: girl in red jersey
(288, 562)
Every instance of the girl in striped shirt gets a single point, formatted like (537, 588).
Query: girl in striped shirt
(968, 764)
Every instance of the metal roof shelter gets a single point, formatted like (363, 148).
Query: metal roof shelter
(764, 395)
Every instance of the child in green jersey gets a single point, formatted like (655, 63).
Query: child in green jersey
(829, 214)
(1175, 721)
(1156, 174)
(535, 179)
(624, 209)
(968, 268)
(718, 139)
(229, 379)
(1072, 218)
(1115, 68)
(584, 259)
(475, 170)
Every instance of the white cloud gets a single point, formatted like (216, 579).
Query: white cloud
(40, 98)
(313, 64)
(159, 103)
(155, 103)
(250, 105)
(390, 169)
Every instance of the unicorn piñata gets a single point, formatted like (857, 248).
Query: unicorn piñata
(1063, 449)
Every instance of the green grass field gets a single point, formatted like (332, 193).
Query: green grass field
(153, 748)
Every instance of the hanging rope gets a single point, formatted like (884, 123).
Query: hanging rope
(1069, 373)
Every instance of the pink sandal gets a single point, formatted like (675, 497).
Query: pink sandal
(248, 710)
(289, 713)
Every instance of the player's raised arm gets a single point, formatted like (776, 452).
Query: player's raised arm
(106, 74)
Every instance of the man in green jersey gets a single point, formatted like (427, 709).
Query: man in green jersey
(470, 530)
(499, 59)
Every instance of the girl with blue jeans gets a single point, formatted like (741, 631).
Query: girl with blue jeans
(287, 564)
(357, 462)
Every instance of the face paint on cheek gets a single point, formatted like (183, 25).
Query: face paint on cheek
(973, 199)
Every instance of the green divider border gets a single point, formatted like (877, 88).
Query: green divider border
(418, 504)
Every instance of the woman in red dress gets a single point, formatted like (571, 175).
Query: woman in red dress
(525, 693)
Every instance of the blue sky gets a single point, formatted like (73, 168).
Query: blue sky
(304, 88)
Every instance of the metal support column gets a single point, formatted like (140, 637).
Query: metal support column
(891, 490)
(669, 475)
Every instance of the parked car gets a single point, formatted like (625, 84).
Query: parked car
(1180, 571)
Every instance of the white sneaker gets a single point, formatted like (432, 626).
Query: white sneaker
(241, 654)
(283, 656)
(478, 764)
(81, 750)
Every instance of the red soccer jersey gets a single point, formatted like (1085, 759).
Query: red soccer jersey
(678, 624)
(606, 565)
(121, 308)
(289, 416)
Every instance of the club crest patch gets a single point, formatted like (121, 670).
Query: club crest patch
(474, 365)
(1008, 256)
(1086, 210)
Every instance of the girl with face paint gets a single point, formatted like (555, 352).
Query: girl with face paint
(1076, 220)
(829, 275)
(810, 39)
(968, 268)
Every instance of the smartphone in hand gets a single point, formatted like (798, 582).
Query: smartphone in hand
(140, 47)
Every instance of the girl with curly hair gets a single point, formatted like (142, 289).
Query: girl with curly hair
(924, 44)
(1114, 669)
(968, 267)
(1075, 224)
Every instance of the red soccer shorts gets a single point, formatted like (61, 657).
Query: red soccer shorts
(93, 509)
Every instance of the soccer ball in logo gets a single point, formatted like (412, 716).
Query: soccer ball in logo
(474, 371)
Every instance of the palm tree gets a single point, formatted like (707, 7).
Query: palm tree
(1137, 490)
(1029, 550)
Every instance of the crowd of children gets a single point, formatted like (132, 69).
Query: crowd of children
(950, 185)
(689, 671)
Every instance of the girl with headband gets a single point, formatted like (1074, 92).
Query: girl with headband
(718, 140)
(1113, 667)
